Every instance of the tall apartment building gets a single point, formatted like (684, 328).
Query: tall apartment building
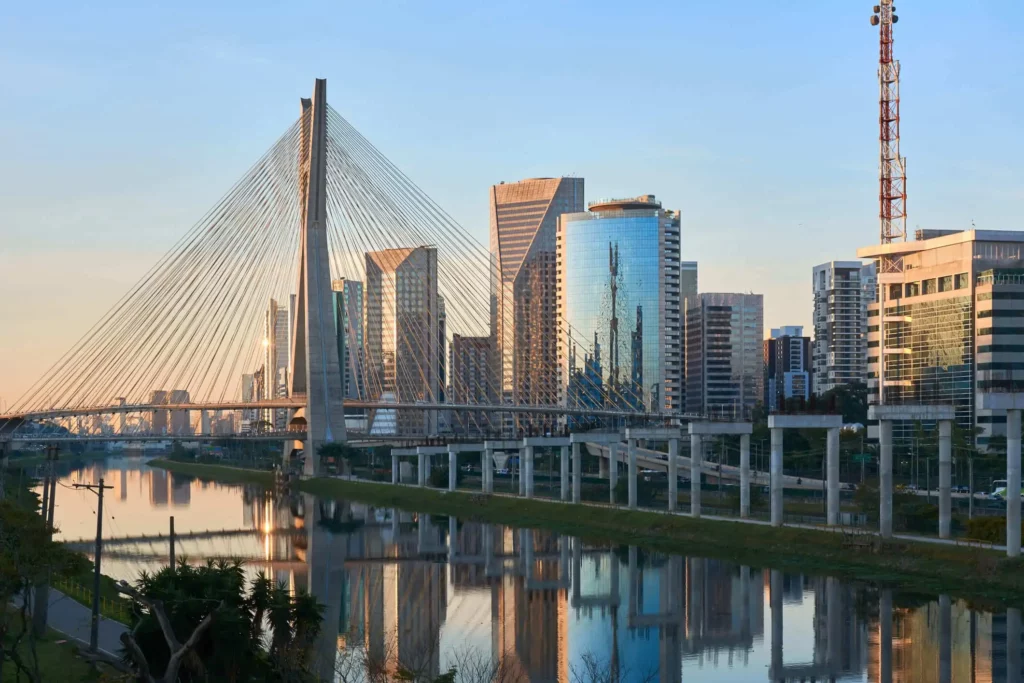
(401, 331)
(275, 361)
(954, 325)
(687, 290)
(180, 419)
(524, 218)
(160, 418)
(619, 299)
(842, 291)
(724, 354)
(348, 321)
(470, 370)
(787, 365)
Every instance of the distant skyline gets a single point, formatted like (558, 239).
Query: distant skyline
(123, 123)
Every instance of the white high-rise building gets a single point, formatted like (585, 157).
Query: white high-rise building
(275, 361)
(842, 291)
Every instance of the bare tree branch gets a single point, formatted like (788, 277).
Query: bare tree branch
(171, 674)
(156, 608)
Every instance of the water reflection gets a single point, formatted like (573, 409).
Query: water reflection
(426, 593)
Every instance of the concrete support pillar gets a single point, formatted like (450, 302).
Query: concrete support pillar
(421, 469)
(776, 477)
(394, 468)
(696, 458)
(885, 635)
(744, 475)
(945, 477)
(1013, 483)
(1013, 645)
(489, 469)
(631, 473)
(483, 472)
(602, 468)
(673, 474)
(577, 471)
(613, 470)
(527, 470)
(945, 639)
(775, 585)
(564, 471)
(453, 469)
(885, 478)
(832, 474)
(522, 471)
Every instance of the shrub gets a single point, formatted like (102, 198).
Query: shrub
(439, 477)
(991, 529)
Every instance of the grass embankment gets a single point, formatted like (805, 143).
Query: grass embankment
(222, 473)
(968, 572)
(59, 659)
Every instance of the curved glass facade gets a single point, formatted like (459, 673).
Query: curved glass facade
(614, 291)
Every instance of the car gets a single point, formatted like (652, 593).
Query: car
(961, 489)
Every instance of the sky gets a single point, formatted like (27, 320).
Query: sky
(122, 123)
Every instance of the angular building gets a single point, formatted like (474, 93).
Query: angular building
(953, 325)
(470, 370)
(159, 420)
(620, 342)
(275, 362)
(724, 354)
(842, 291)
(401, 331)
(787, 366)
(524, 218)
(348, 321)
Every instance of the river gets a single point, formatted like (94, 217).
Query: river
(530, 605)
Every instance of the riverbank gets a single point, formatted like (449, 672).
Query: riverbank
(970, 572)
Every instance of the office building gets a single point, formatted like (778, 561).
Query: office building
(470, 369)
(524, 218)
(348, 322)
(402, 319)
(275, 362)
(249, 416)
(953, 326)
(160, 420)
(724, 354)
(687, 290)
(180, 419)
(842, 291)
(787, 363)
(620, 340)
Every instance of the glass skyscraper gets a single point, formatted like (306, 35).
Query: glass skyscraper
(620, 341)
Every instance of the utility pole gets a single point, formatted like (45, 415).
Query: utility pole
(41, 606)
(172, 544)
(94, 631)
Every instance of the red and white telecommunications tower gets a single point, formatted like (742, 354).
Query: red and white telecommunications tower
(892, 168)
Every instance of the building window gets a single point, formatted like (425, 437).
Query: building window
(928, 287)
(913, 289)
(961, 281)
(946, 283)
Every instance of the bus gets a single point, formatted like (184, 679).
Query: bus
(999, 490)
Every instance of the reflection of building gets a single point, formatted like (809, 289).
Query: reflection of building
(724, 355)
(618, 302)
(952, 324)
(471, 360)
(158, 487)
(402, 332)
(842, 290)
(523, 227)
(786, 365)
(181, 490)
(348, 321)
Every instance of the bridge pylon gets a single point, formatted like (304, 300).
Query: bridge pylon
(315, 370)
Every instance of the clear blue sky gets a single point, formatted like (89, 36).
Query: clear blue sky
(121, 123)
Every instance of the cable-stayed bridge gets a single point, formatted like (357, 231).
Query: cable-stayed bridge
(314, 303)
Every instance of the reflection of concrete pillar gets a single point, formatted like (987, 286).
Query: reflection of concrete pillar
(563, 560)
(613, 470)
(564, 471)
(744, 475)
(745, 616)
(945, 639)
(1013, 645)
(673, 474)
(528, 470)
(526, 538)
(776, 477)
(885, 478)
(394, 468)
(631, 473)
(885, 634)
(832, 473)
(577, 472)
(945, 476)
(421, 469)
(453, 469)
(696, 456)
(423, 533)
(634, 582)
(1013, 483)
(577, 569)
(453, 538)
(488, 541)
(776, 608)
(835, 622)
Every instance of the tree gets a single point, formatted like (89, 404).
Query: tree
(200, 624)
(28, 557)
(851, 400)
